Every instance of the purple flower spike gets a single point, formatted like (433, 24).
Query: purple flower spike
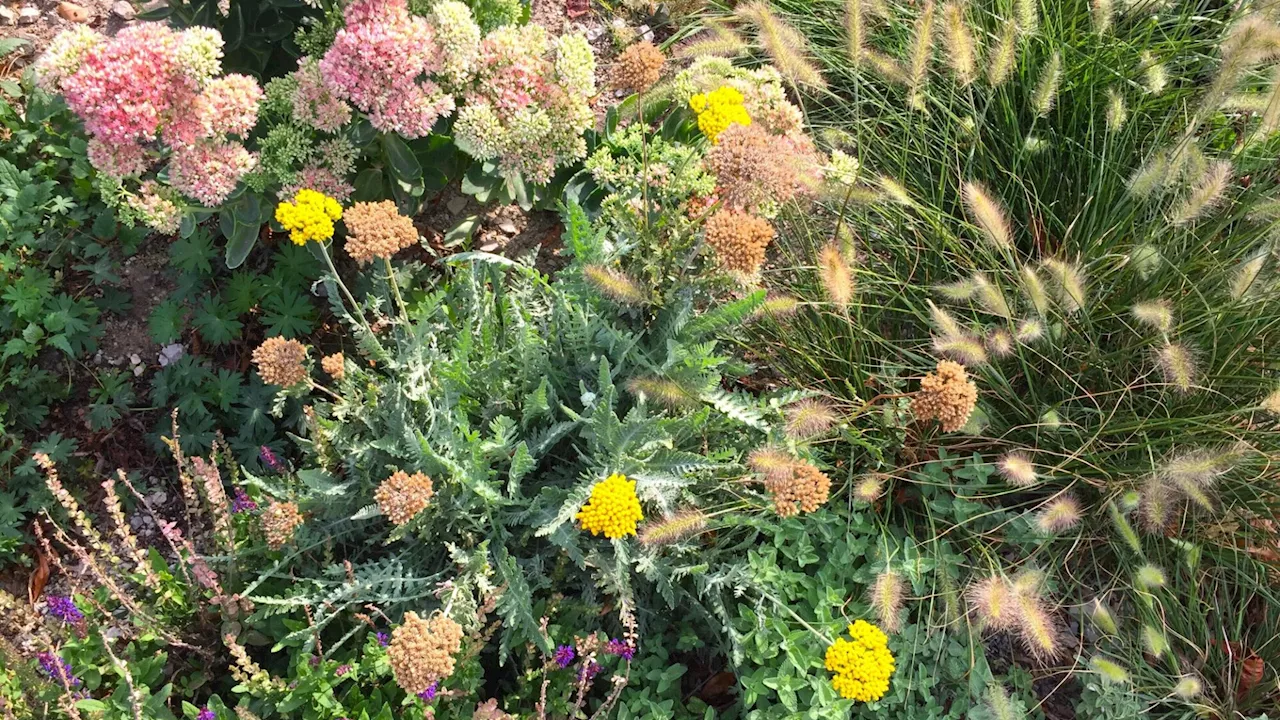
(564, 655)
(430, 693)
(64, 608)
(269, 459)
(342, 670)
(621, 648)
(384, 639)
(58, 669)
(590, 671)
(242, 503)
(206, 714)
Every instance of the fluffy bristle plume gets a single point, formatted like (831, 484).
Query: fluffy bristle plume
(1205, 195)
(777, 307)
(855, 16)
(869, 488)
(1110, 670)
(1117, 111)
(886, 67)
(1029, 331)
(962, 52)
(1046, 93)
(1178, 366)
(1069, 281)
(1000, 707)
(785, 45)
(1188, 687)
(921, 53)
(946, 323)
(964, 349)
(1033, 288)
(664, 391)
(809, 418)
(614, 284)
(1104, 15)
(836, 275)
(1153, 641)
(886, 597)
(1246, 275)
(991, 599)
(988, 214)
(990, 297)
(1149, 577)
(1151, 176)
(1003, 55)
(999, 343)
(1155, 314)
(674, 528)
(1059, 515)
(1102, 617)
(1035, 622)
(772, 463)
(718, 39)
(1016, 468)
(1028, 17)
(1155, 76)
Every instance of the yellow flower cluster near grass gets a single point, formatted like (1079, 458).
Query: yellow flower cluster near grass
(862, 665)
(309, 217)
(719, 109)
(613, 508)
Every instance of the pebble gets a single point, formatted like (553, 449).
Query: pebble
(7, 15)
(124, 10)
(157, 498)
(135, 362)
(488, 247)
(28, 14)
(73, 12)
(170, 354)
(457, 204)
(508, 227)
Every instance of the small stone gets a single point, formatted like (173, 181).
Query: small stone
(72, 12)
(457, 204)
(7, 15)
(508, 227)
(28, 14)
(124, 10)
(158, 497)
(170, 354)
(488, 247)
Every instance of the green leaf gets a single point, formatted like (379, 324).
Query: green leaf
(403, 163)
(165, 323)
(91, 705)
(193, 253)
(12, 45)
(216, 322)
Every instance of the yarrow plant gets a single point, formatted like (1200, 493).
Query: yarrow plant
(862, 664)
(613, 509)
(151, 94)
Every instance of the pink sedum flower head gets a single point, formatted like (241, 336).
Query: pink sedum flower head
(315, 103)
(530, 105)
(208, 171)
(120, 160)
(376, 63)
(65, 54)
(321, 179)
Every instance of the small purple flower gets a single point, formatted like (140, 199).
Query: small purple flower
(315, 661)
(64, 608)
(206, 714)
(564, 655)
(342, 670)
(269, 459)
(430, 693)
(621, 648)
(58, 669)
(590, 671)
(384, 639)
(241, 502)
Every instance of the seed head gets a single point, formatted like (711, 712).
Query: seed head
(1058, 515)
(1029, 331)
(1149, 577)
(739, 240)
(804, 490)
(810, 417)
(1110, 670)
(1271, 403)
(638, 67)
(377, 230)
(334, 365)
(402, 496)
(837, 277)
(674, 528)
(966, 349)
(886, 598)
(1000, 343)
(279, 521)
(280, 361)
(869, 488)
(1189, 687)
(771, 462)
(421, 651)
(947, 395)
(614, 284)
(1178, 366)
(992, 600)
(988, 214)
(1155, 314)
(1102, 617)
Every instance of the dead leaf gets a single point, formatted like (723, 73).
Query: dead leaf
(39, 577)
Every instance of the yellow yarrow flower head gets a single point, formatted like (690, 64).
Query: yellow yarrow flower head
(719, 109)
(613, 508)
(862, 665)
(309, 217)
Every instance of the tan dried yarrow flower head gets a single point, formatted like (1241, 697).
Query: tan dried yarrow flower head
(377, 230)
(280, 361)
(804, 489)
(753, 167)
(639, 67)
(947, 395)
(279, 521)
(334, 365)
(421, 651)
(739, 240)
(402, 496)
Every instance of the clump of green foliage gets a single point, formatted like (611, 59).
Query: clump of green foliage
(1085, 219)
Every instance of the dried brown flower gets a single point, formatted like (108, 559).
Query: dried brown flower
(279, 521)
(334, 365)
(739, 240)
(402, 496)
(488, 710)
(638, 67)
(947, 395)
(377, 230)
(804, 489)
(753, 167)
(421, 651)
(280, 361)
